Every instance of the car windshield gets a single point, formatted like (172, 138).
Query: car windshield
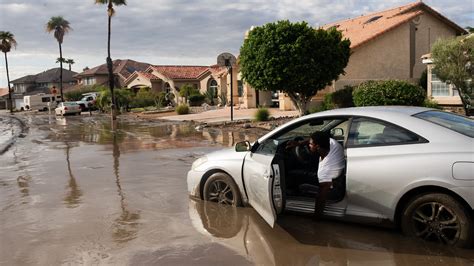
(460, 124)
(69, 104)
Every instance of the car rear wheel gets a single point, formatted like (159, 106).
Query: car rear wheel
(220, 188)
(439, 218)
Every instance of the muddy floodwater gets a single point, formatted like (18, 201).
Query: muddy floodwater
(73, 192)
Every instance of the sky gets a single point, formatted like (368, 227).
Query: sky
(168, 32)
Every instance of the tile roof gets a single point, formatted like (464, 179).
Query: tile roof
(50, 75)
(181, 72)
(123, 67)
(3, 91)
(362, 29)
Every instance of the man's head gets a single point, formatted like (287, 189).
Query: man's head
(319, 141)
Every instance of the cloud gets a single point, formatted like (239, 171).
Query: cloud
(168, 31)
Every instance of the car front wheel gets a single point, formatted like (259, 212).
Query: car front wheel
(220, 188)
(440, 218)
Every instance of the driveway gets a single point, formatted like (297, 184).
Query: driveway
(223, 114)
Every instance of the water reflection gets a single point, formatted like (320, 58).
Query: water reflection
(125, 227)
(298, 240)
(144, 136)
(73, 196)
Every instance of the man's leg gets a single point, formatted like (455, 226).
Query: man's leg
(324, 189)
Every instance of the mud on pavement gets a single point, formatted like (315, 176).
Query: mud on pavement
(72, 191)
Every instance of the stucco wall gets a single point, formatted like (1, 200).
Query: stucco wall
(428, 30)
(386, 57)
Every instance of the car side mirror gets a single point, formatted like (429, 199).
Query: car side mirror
(242, 146)
(337, 132)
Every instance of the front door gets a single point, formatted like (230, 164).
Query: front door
(262, 181)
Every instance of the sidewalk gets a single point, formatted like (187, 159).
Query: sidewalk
(223, 115)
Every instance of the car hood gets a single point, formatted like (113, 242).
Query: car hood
(226, 154)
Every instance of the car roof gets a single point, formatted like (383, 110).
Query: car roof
(376, 110)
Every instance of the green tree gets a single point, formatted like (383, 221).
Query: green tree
(110, 13)
(7, 41)
(293, 58)
(60, 27)
(453, 60)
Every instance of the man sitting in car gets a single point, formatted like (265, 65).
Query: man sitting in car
(331, 164)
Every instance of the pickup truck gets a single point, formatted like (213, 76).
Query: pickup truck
(88, 101)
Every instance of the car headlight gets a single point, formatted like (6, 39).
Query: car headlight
(199, 162)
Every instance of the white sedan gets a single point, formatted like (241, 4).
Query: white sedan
(65, 108)
(409, 166)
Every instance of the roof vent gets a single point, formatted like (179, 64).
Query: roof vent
(372, 19)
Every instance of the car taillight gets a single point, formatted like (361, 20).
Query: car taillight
(65, 108)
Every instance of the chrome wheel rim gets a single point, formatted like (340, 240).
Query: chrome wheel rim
(221, 193)
(434, 221)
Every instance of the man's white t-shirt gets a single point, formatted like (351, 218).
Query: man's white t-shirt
(332, 165)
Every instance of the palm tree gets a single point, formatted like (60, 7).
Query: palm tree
(70, 62)
(111, 12)
(60, 27)
(7, 41)
(65, 61)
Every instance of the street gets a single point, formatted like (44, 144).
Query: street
(74, 192)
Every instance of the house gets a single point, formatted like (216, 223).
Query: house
(170, 78)
(44, 82)
(388, 44)
(99, 75)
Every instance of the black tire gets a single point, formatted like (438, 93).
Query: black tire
(220, 188)
(440, 218)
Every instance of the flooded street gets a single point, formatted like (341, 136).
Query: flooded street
(73, 192)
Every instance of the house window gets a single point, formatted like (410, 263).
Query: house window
(89, 81)
(212, 89)
(438, 88)
(240, 88)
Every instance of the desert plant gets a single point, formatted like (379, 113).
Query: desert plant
(223, 99)
(210, 97)
(182, 109)
(262, 114)
(7, 41)
(389, 92)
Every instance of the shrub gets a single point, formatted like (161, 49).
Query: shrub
(262, 114)
(182, 109)
(429, 103)
(196, 99)
(343, 98)
(122, 98)
(76, 95)
(389, 92)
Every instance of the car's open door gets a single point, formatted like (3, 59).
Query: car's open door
(262, 177)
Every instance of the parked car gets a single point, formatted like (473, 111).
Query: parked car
(409, 166)
(65, 108)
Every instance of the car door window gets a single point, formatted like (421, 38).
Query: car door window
(336, 126)
(371, 132)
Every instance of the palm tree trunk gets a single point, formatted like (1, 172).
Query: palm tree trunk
(61, 71)
(109, 64)
(9, 89)
(69, 67)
